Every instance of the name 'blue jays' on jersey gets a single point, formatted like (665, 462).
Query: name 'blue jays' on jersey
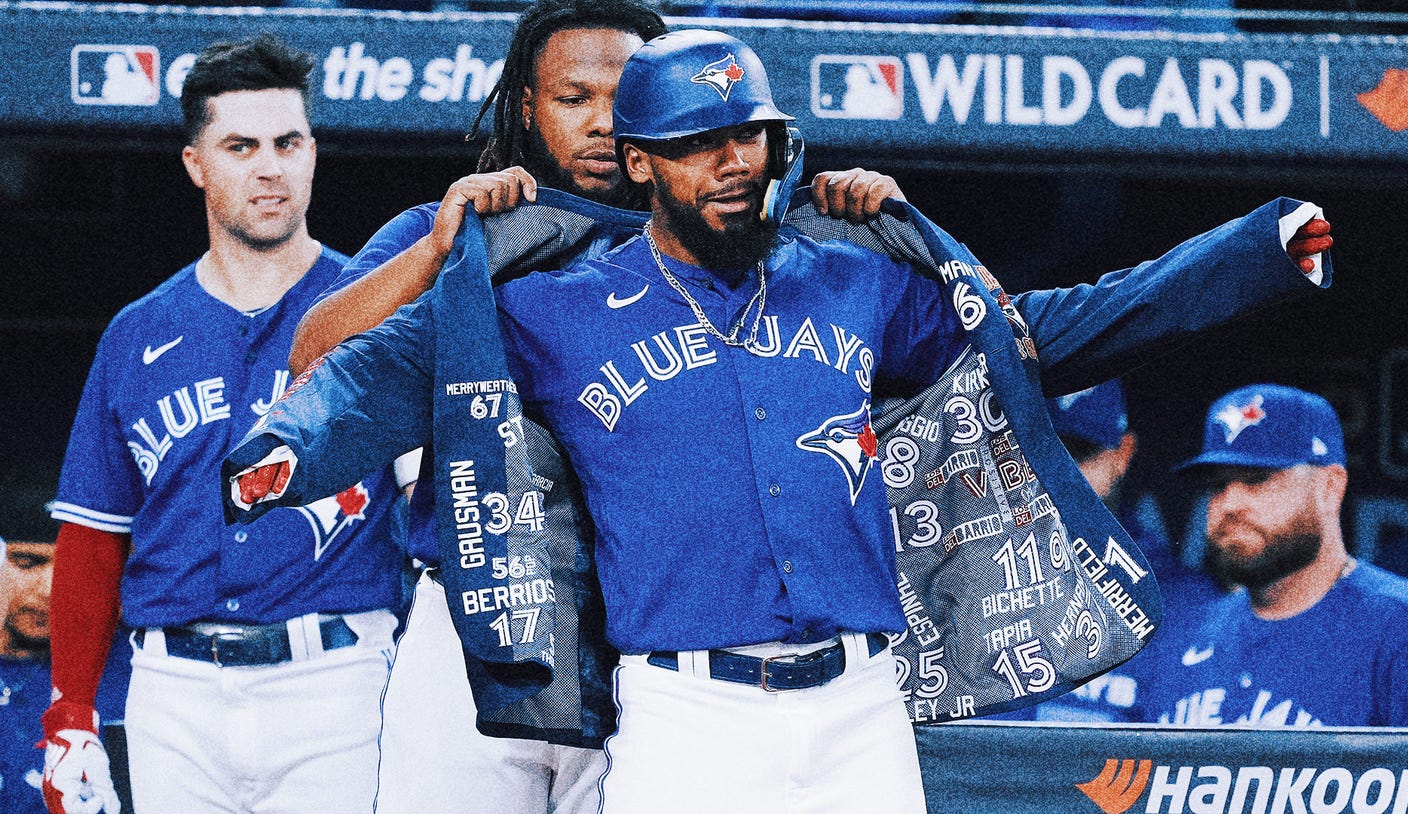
(179, 378)
(732, 490)
(1339, 663)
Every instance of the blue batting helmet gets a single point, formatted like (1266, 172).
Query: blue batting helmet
(690, 81)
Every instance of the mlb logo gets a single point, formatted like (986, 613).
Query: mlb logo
(115, 75)
(857, 87)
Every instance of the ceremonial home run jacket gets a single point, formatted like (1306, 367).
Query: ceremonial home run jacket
(1015, 581)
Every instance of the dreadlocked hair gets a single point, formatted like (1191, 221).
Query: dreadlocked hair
(507, 142)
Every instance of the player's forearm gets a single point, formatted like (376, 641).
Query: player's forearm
(365, 302)
(84, 607)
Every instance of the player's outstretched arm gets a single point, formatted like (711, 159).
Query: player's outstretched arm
(854, 194)
(365, 302)
(1089, 333)
(357, 408)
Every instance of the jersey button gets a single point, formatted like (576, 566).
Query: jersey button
(232, 605)
(787, 566)
(774, 490)
(241, 536)
(760, 413)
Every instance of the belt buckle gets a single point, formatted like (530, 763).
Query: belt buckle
(225, 636)
(764, 680)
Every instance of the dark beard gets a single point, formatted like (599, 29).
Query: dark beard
(37, 647)
(260, 244)
(547, 172)
(744, 241)
(1283, 555)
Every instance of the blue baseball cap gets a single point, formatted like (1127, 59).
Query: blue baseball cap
(1272, 427)
(1096, 414)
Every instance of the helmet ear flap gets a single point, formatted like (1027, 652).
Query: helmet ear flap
(784, 170)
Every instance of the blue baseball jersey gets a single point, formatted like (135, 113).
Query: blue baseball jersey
(1339, 663)
(390, 240)
(179, 378)
(24, 695)
(731, 489)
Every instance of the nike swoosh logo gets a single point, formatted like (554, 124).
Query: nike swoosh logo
(1196, 656)
(613, 301)
(152, 354)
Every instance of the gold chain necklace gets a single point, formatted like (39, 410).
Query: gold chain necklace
(760, 297)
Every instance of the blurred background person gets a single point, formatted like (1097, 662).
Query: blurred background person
(26, 577)
(1314, 636)
(26, 571)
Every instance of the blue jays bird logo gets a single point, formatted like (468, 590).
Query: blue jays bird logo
(849, 441)
(1237, 417)
(720, 75)
(331, 515)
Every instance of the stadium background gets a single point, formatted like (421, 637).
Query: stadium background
(95, 208)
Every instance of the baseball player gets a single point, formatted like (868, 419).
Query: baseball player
(257, 666)
(570, 50)
(26, 568)
(1317, 637)
(711, 382)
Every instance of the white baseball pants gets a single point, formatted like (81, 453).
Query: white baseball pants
(288, 738)
(690, 744)
(434, 760)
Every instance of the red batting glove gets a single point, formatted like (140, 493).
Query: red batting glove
(77, 779)
(270, 479)
(1308, 241)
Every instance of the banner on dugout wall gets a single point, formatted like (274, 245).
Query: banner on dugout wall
(917, 91)
(1085, 769)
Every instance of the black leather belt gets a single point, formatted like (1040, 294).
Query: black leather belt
(246, 645)
(772, 673)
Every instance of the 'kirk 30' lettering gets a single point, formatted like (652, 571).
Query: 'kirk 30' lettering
(183, 410)
(686, 347)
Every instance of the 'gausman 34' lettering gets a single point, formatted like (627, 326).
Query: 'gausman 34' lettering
(184, 409)
(665, 355)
